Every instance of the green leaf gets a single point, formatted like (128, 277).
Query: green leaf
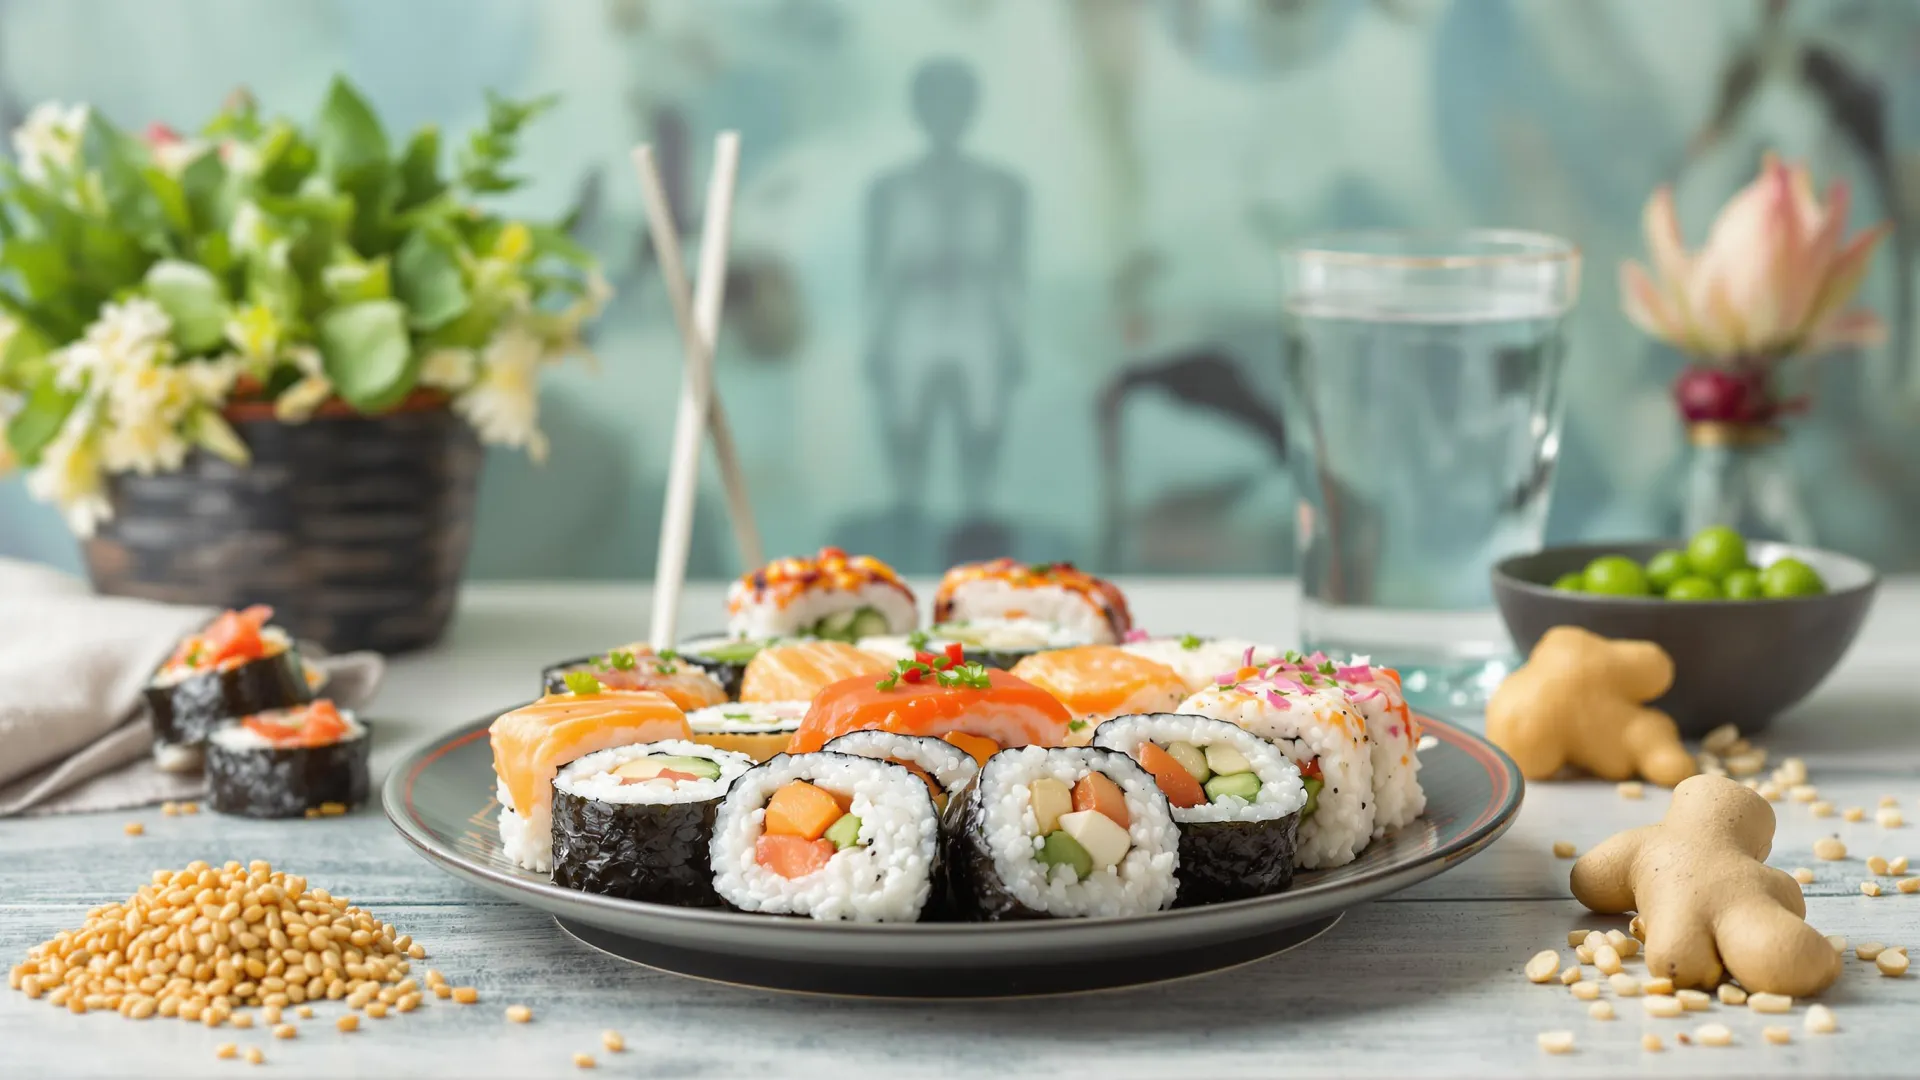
(367, 354)
(207, 429)
(549, 242)
(40, 267)
(203, 183)
(427, 278)
(352, 282)
(420, 169)
(172, 199)
(37, 422)
(348, 135)
(193, 299)
(286, 159)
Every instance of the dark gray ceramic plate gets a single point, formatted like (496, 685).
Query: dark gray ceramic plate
(440, 798)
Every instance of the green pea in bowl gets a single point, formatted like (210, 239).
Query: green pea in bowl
(1739, 662)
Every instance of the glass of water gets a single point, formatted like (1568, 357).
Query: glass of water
(1423, 388)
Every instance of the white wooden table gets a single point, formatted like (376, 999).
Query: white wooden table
(1425, 983)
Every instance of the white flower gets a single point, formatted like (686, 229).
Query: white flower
(126, 338)
(10, 404)
(248, 233)
(448, 369)
(174, 156)
(51, 134)
(297, 402)
(148, 411)
(504, 405)
(69, 474)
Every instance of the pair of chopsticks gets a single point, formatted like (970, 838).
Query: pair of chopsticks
(697, 314)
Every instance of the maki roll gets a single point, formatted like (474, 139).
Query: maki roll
(996, 643)
(944, 767)
(531, 743)
(238, 666)
(976, 709)
(1056, 594)
(1060, 833)
(724, 658)
(758, 729)
(1324, 738)
(1393, 731)
(798, 670)
(827, 836)
(1200, 661)
(635, 821)
(1235, 797)
(832, 595)
(635, 667)
(289, 762)
(1100, 682)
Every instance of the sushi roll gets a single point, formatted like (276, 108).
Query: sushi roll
(944, 767)
(1393, 731)
(636, 667)
(724, 658)
(1200, 661)
(801, 669)
(636, 821)
(1060, 833)
(1056, 594)
(1235, 797)
(828, 836)
(997, 643)
(758, 729)
(832, 595)
(1100, 682)
(980, 710)
(238, 666)
(1324, 738)
(289, 762)
(531, 743)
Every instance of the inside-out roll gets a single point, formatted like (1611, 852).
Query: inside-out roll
(829, 836)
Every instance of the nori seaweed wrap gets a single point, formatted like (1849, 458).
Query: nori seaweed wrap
(199, 689)
(1239, 818)
(637, 667)
(635, 821)
(289, 763)
(995, 870)
(724, 658)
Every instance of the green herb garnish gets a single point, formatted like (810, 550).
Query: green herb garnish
(918, 640)
(737, 715)
(1039, 569)
(1191, 642)
(1327, 668)
(971, 675)
(619, 660)
(1076, 725)
(582, 682)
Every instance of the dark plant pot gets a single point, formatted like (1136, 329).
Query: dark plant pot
(354, 528)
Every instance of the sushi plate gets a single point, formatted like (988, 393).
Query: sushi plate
(439, 797)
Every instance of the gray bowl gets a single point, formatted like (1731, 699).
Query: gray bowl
(1739, 662)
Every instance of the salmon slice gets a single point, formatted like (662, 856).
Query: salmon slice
(690, 690)
(1104, 681)
(798, 672)
(1011, 712)
(531, 743)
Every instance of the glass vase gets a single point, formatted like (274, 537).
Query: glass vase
(1740, 475)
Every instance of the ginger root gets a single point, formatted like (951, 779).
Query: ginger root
(1708, 902)
(1580, 699)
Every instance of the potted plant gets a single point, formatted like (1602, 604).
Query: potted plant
(1771, 284)
(256, 364)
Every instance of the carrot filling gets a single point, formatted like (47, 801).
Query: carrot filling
(804, 827)
(1082, 827)
(1192, 775)
(978, 746)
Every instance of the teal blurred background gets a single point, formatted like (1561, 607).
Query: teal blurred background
(1082, 363)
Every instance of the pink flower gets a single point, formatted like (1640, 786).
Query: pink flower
(159, 134)
(1773, 280)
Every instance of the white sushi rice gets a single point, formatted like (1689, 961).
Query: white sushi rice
(526, 841)
(748, 718)
(887, 878)
(764, 617)
(1394, 737)
(178, 757)
(1074, 614)
(593, 777)
(1316, 725)
(993, 635)
(950, 766)
(1199, 661)
(242, 737)
(1281, 792)
(1143, 881)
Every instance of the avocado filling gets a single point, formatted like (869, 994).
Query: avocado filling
(1191, 775)
(669, 769)
(1083, 827)
(849, 626)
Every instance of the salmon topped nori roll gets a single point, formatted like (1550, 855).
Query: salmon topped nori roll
(833, 595)
(977, 709)
(289, 762)
(1099, 682)
(1089, 608)
(799, 670)
(238, 666)
(636, 667)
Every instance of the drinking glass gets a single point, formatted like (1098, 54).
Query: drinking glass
(1422, 380)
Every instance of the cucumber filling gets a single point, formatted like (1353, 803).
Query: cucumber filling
(849, 626)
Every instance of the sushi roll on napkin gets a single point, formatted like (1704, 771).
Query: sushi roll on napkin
(832, 595)
(978, 709)
(758, 729)
(1060, 833)
(289, 762)
(827, 836)
(1235, 797)
(1100, 682)
(635, 821)
(636, 667)
(531, 743)
(238, 666)
(1324, 738)
(1081, 606)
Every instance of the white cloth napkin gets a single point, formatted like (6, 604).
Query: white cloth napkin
(73, 730)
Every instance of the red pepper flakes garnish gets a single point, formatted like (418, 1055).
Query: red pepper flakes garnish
(956, 653)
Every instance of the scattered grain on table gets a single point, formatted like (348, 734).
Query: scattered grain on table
(1776, 1035)
(613, 1041)
(1563, 849)
(1870, 888)
(1764, 1002)
(1556, 1042)
(1892, 963)
(1854, 813)
(133, 828)
(583, 1061)
(1821, 1021)
(1731, 994)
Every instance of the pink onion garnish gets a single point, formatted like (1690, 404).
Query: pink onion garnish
(1353, 674)
(1135, 636)
(1274, 699)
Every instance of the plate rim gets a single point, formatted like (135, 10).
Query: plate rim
(396, 797)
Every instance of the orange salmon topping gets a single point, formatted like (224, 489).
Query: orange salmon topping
(229, 641)
(1019, 575)
(1010, 710)
(317, 724)
(785, 580)
(532, 742)
(1098, 679)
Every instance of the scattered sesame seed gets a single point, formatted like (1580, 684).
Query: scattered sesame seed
(226, 1051)
(1631, 789)
(1601, 1010)
(1556, 1042)
(583, 1061)
(1769, 791)
(1898, 865)
(1637, 929)
(1607, 960)
(1867, 950)
(1908, 885)
(520, 1014)
(465, 995)
(1719, 739)
(1663, 1006)
(1821, 809)
(1776, 1035)
(1803, 793)
(1651, 1043)
(1660, 985)
(1889, 818)
(169, 809)
(1624, 985)
(1563, 849)
(1693, 1000)
(1870, 888)
(1764, 1002)
(1803, 875)
(1583, 953)
(1892, 963)
(1889, 800)
(1829, 848)
(304, 1012)
(1731, 994)
(1713, 1035)
(1585, 990)
(1854, 813)
(133, 828)
(285, 1031)
(1839, 943)
(1820, 1020)
(254, 1056)
(613, 1041)
(1572, 975)
(349, 1022)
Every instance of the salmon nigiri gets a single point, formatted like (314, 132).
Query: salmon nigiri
(1100, 682)
(799, 671)
(531, 743)
(993, 711)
